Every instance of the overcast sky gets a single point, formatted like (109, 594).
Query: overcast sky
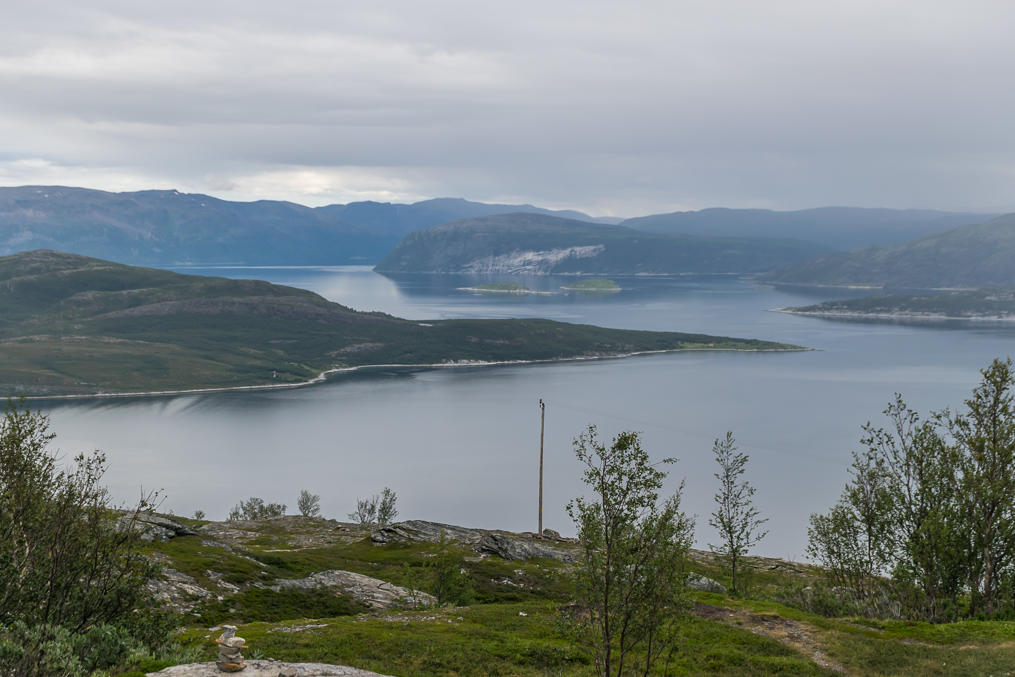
(616, 108)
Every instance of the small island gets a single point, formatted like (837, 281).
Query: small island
(503, 288)
(596, 284)
(997, 304)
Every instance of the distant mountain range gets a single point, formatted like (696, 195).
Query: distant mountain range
(160, 227)
(837, 228)
(164, 227)
(541, 244)
(981, 255)
(74, 325)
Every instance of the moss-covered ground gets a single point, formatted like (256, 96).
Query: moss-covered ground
(512, 626)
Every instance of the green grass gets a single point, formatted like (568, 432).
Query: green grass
(259, 604)
(493, 637)
(496, 639)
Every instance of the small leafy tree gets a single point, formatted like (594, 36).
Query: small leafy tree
(631, 573)
(853, 542)
(254, 508)
(71, 576)
(449, 582)
(309, 504)
(366, 511)
(735, 516)
(386, 510)
(986, 434)
(199, 514)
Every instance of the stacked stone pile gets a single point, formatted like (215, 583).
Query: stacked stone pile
(229, 657)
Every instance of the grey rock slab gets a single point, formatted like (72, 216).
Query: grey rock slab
(515, 548)
(373, 592)
(262, 668)
(421, 531)
(501, 543)
(154, 527)
(178, 590)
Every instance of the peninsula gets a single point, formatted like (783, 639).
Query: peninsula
(73, 325)
(997, 304)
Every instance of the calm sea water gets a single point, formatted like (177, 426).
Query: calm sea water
(461, 445)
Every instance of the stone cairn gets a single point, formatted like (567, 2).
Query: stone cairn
(230, 659)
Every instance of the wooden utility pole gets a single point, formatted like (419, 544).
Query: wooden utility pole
(542, 427)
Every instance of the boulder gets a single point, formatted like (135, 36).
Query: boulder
(515, 548)
(373, 592)
(705, 584)
(178, 590)
(420, 531)
(154, 527)
(266, 668)
(501, 543)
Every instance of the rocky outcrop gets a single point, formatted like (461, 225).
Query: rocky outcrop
(267, 668)
(373, 592)
(421, 531)
(154, 527)
(519, 548)
(705, 584)
(501, 543)
(177, 590)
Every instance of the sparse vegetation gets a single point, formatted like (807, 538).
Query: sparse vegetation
(629, 581)
(376, 509)
(386, 510)
(309, 504)
(931, 506)
(73, 591)
(735, 517)
(365, 512)
(254, 508)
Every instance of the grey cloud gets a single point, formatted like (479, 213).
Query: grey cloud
(627, 107)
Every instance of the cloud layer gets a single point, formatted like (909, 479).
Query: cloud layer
(615, 108)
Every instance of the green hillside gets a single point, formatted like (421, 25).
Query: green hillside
(839, 228)
(512, 621)
(537, 243)
(71, 324)
(980, 255)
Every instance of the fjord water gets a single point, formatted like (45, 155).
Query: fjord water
(461, 445)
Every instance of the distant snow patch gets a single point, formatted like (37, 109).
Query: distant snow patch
(530, 261)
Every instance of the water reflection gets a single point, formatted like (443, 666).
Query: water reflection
(460, 445)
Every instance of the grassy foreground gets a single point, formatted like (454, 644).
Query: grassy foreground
(512, 624)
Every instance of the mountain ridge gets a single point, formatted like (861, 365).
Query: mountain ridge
(169, 227)
(163, 227)
(543, 244)
(978, 255)
(840, 228)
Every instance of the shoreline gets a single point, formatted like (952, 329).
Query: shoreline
(895, 316)
(504, 291)
(323, 376)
